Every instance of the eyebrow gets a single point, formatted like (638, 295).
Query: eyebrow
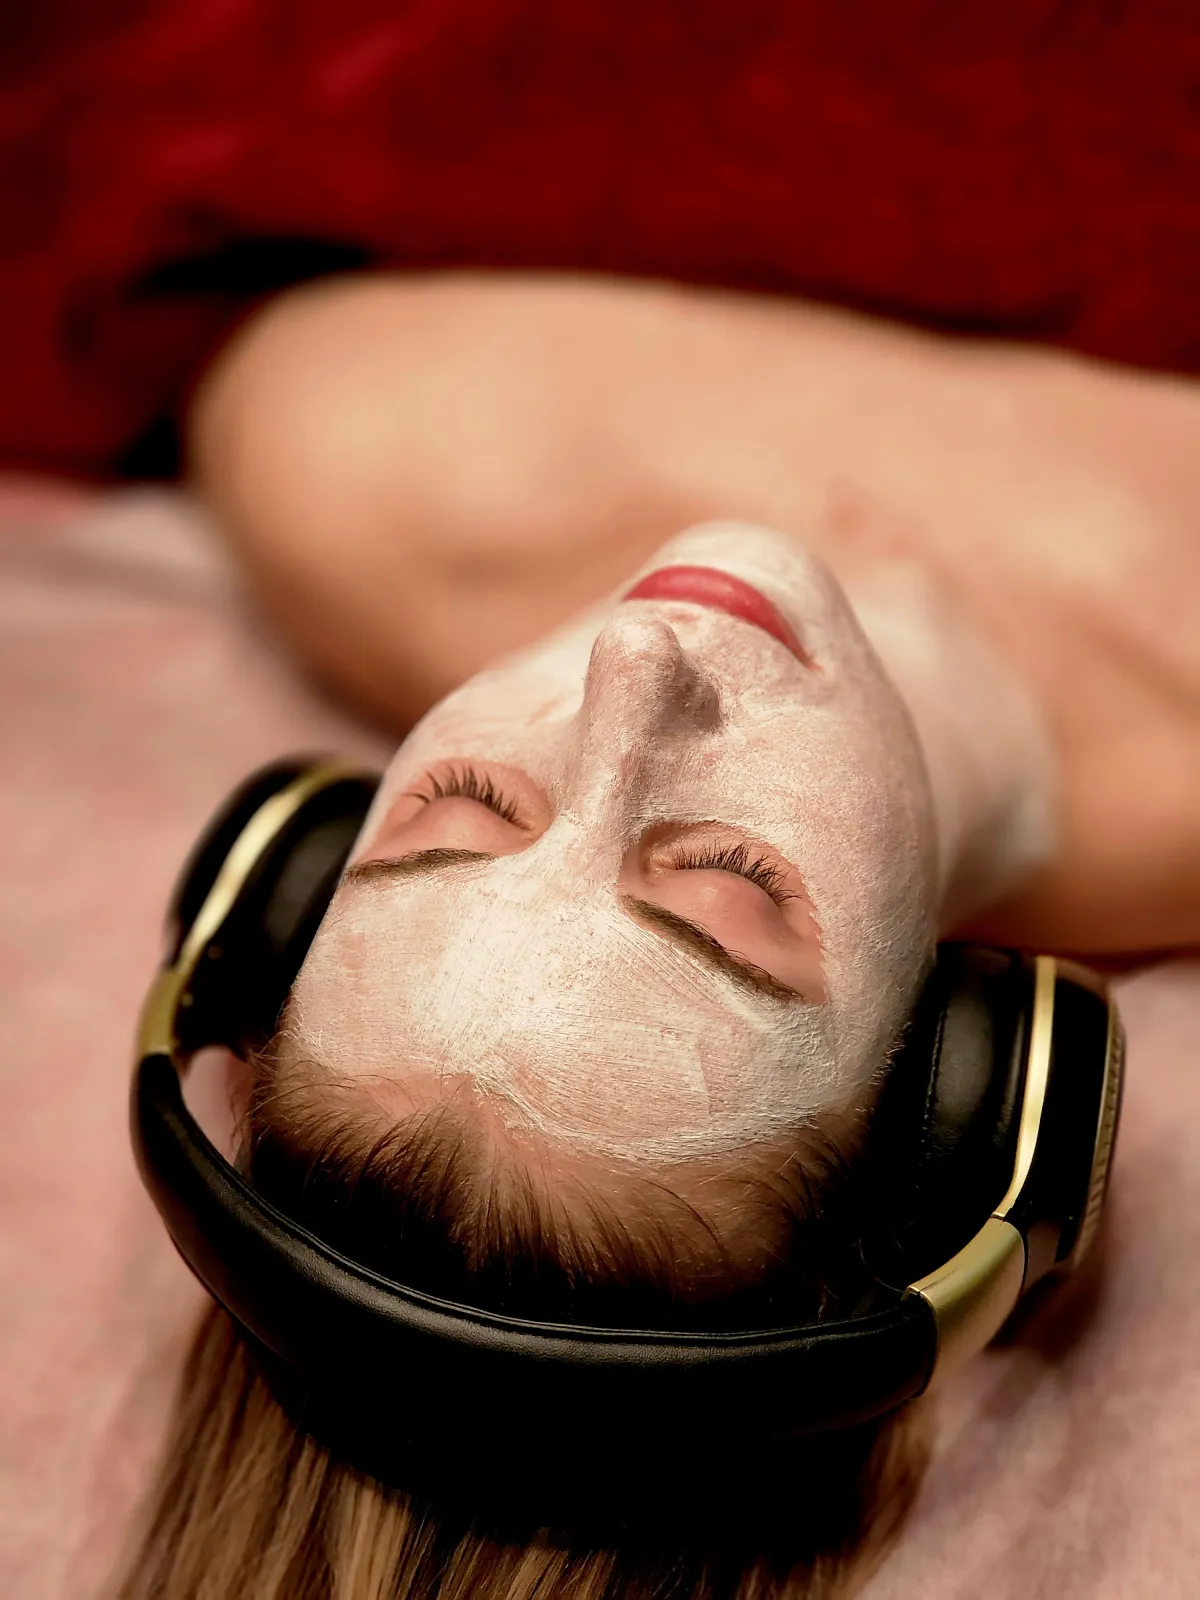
(419, 864)
(698, 942)
(688, 936)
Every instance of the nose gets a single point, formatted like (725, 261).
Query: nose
(642, 694)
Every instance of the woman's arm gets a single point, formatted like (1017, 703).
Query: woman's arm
(421, 474)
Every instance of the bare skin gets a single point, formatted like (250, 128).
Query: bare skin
(422, 474)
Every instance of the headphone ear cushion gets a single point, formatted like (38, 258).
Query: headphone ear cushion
(242, 981)
(946, 1124)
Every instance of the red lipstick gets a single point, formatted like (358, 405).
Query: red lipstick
(720, 591)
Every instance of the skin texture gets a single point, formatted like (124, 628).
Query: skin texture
(656, 756)
(422, 474)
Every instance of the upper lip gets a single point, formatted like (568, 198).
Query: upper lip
(720, 591)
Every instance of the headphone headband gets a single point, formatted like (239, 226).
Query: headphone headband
(305, 1302)
(386, 1356)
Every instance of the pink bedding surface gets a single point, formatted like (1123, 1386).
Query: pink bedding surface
(136, 687)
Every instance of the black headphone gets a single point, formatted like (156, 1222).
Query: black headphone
(1000, 1115)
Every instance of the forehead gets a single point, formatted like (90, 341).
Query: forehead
(534, 938)
(575, 1017)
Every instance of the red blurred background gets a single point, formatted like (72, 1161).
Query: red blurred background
(1029, 170)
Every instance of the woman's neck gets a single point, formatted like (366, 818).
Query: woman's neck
(991, 763)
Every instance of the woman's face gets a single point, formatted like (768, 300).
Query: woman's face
(659, 886)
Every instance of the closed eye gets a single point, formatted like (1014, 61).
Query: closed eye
(465, 782)
(737, 858)
(724, 885)
(461, 804)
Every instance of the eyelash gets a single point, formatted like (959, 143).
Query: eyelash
(465, 781)
(736, 858)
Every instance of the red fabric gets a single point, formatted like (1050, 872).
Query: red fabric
(1030, 168)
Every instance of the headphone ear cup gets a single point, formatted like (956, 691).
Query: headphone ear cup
(242, 980)
(1060, 1203)
(208, 854)
(946, 1124)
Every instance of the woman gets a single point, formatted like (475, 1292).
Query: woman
(600, 1011)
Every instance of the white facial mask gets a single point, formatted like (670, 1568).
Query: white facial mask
(579, 1023)
(527, 975)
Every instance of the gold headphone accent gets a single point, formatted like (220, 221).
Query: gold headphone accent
(1037, 1076)
(974, 1293)
(156, 1032)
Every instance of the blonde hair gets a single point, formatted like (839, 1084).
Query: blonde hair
(249, 1506)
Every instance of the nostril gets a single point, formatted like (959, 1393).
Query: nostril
(700, 703)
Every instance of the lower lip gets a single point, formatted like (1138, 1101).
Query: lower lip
(720, 591)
